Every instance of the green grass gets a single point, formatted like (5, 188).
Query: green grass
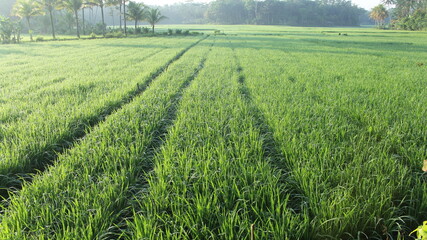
(302, 132)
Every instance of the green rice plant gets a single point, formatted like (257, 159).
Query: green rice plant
(349, 132)
(211, 179)
(30, 139)
(86, 193)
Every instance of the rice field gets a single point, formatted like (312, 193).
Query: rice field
(261, 133)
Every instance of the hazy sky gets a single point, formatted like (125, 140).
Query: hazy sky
(367, 4)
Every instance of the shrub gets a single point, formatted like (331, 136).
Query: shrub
(9, 30)
(109, 35)
(416, 22)
(118, 34)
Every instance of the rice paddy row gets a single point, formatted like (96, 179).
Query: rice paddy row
(33, 131)
(87, 190)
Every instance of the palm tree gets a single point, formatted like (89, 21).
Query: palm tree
(379, 14)
(404, 8)
(26, 9)
(136, 12)
(115, 3)
(85, 4)
(154, 16)
(49, 5)
(73, 6)
(124, 14)
(100, 3)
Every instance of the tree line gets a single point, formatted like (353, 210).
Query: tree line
(268, 12)
(292, 12)
(78, 15)
(405, 14)
(75, 10)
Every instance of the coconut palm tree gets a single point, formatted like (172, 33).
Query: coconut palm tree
(379, 14)
(26, 9)
(136, 12)
(154, 16)
(116, 3)
(100, 4)
(124, 14)
(86, 4)
(404, 8)
(49, 5)
(73, 6)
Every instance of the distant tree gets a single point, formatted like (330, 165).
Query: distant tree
(228, 11)
(379, 14)
(116, 3)
(65, 22)
(49, 6)
(124, 14)
(409, 14)
(100, 4)
(136, 12)
(5, 29)
(26, 9)
(85, 4)
(73, 6)
(9, 30)
(153, 17)
(404, 8)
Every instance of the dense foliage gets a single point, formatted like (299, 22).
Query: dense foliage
(298, 13)
(10, 30)
(409, 14)
(379, 14)
(68, 17)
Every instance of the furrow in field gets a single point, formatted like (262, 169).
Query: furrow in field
(87, 190)
(210, 179)
(329, 129)
(35, 89)
(23, 70)
(140, 185)
(270, 147)
(38, 92)
(376, 113)
(33, 159)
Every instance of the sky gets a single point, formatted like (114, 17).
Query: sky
(366, 4)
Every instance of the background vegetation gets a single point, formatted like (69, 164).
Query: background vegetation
(63, 16)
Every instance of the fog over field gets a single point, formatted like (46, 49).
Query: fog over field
(366, 4)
